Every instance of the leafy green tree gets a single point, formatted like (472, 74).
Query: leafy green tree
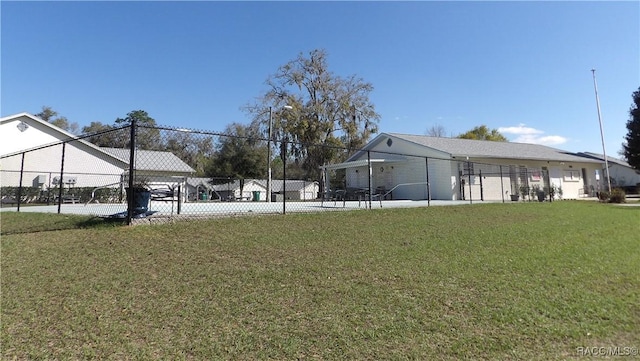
(239, 155)
(631, 146)
(327, 111)
(148, 135)
(194, 151)
(103, 135)
(51, 116)
(483, 133)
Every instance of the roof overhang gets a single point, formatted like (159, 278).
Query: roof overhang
(63, 136)
(354, 164)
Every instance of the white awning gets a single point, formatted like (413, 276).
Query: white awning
(353, 164)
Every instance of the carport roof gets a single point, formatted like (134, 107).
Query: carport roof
(353, 164)
(151, 160)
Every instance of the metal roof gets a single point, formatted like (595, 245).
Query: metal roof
(457, 148)
(352, 164)
(601, 158)
(152, 160)
(276, 184)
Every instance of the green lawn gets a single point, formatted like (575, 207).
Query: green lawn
(492, 281)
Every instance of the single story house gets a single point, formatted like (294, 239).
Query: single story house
(622, 174)
(299, 190)
(253, 189)
(200, 188)
(36, 152)
(399, 165)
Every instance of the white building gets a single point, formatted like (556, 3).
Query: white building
(253, 189)
(35, 153)
(620, 172)
(400, 164)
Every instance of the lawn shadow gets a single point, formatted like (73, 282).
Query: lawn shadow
(21, 223)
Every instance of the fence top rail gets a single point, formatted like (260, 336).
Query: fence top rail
(79, 138)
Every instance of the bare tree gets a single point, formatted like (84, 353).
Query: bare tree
(436, 130)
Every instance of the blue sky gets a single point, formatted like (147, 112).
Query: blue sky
(521, 67)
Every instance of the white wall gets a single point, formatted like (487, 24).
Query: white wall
(13, 140)
(357, 177)
(444, 184)
(623, 176)
(489, 182)
(444, 174)
(89, 170)
(405, 173)
(88, 166)
(569, 176)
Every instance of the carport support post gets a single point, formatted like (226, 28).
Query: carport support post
(61, 175)
(20, 184)
(428, 184)
(132, 158)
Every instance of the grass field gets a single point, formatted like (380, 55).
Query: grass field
(495, 281)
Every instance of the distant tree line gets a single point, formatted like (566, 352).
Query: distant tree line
(309, 115)
(481, 132)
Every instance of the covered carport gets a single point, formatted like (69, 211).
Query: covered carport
(373, 179)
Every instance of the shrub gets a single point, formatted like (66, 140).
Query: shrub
(617, 196)
(603, 196)
(28, 194)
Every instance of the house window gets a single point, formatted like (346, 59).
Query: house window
(572, 175)
(535, 175)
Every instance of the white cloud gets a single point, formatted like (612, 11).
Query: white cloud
(533, 136)
(543, 140)
(520, 129)
(552, 140)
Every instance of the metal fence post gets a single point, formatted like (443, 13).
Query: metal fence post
(284, 175)
(550, 186)
(60, 181)
(469, 170)
(179, 200)
(20, 184)
(501, 184)
(370, 176)
(268, 200)
(461, 183)
(132, 158)
(426, 161)
(481, 185)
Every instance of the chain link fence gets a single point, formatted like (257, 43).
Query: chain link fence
(160, 173)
